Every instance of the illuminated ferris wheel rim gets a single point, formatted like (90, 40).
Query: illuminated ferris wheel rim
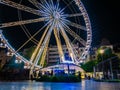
(56, 15)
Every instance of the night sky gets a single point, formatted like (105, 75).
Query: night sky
(104, 16)
(105, 20)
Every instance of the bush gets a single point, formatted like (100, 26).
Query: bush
(54, 79)
(60, 78)
(88, 66)
(44, 78)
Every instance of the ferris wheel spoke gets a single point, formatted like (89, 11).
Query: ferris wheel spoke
(45, 1)
(25, 29)
(36, 62)
(41, 7)
(58, 3)
(31, 37)
(39, 44)
(35, 3)
(76, 36)
(49, 5)
(69, 46)
(73, 15)
(20, 7)
(60, 50)
(76, 25)
(44, 43)
(44, 7)
(42, 61)
(51, 1)
(67, 6)
(45, 4)
(10, 24)
(29, 34)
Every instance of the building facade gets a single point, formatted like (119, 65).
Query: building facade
(53, 57)
(4, 58)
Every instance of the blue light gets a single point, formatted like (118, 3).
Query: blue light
(67, 57)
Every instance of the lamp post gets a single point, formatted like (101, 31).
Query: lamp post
(102, 52)
(18, 61)
(111, 69)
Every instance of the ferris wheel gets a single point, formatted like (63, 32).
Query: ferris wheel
(55, 21)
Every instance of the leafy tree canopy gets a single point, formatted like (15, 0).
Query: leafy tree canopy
(88, 66)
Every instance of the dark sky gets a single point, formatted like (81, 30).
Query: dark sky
(104, 16)
(105, 19)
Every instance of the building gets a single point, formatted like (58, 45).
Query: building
(4, 58)
(93, 53)
(5, 55)
(53, 58)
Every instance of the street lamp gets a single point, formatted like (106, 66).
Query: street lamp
(19, 64)
(18, 61)
(102, 52)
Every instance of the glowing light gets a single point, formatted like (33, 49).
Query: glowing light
(101, 51)
(56, 15)
(1, 44)
(8, 53)
(18, 61)
(71, 54)
(81, 61)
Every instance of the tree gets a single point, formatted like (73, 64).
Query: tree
(11, 64)
(28, 52)
(88, 66)
(108, 53)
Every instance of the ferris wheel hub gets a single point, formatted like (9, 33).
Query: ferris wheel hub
(56, 15)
